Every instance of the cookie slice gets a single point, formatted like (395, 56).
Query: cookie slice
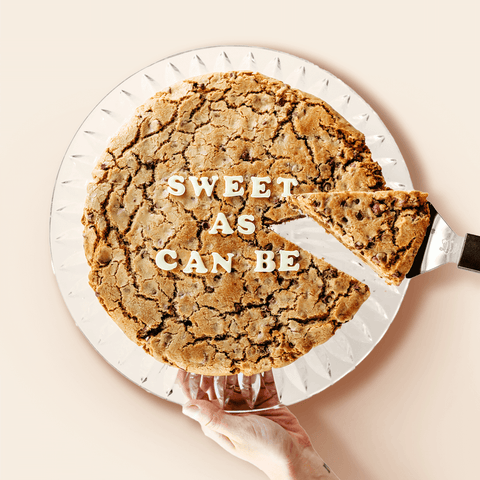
(385, 229)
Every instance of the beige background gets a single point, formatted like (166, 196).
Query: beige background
(411, 410)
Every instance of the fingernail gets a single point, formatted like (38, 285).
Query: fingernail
(192, 411)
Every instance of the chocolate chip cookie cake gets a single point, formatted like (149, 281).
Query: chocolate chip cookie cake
(385, 229)
(176, 223)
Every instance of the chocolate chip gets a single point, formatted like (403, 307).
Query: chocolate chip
(105, 256)
(167, 339)
(245, 156)
(359, 216)
(263, 350)
(282, 102)
(377, 208)
(209, 289)
(330, 273)
(379, 258)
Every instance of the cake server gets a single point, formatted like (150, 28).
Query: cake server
(442, 245)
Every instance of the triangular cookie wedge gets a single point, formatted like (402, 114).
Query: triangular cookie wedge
(385, 229)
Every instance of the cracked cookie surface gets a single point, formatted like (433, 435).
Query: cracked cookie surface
(385, 229)
(234, 124)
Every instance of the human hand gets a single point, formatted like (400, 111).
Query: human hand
(271, 439)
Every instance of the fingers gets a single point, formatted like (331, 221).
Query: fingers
(194, 386)
(182, 380)
(267, 397)
(202, 387)
(206, 386)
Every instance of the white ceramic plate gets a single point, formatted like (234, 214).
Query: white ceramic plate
(322, 366)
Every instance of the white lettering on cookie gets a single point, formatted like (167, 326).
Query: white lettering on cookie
(160, 259)
(259, 189)
(175, 185)
(265, 262)
(203, 185)
(221, 223)
(245, 224)
(232, 184)
(287, 261)
(219, 260)
(195, 262)
(287, 185)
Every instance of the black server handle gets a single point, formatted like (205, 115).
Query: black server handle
(470, 257)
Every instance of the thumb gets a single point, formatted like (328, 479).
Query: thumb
(216, 424)
(210, 416)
